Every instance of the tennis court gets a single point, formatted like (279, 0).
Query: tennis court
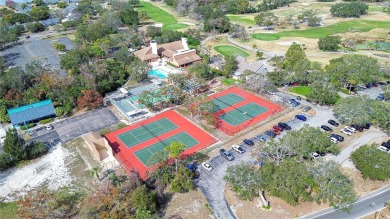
(242, 114)
(226, 101)
(146, 154)
(238, 109)
(146, 132)
(134, 145)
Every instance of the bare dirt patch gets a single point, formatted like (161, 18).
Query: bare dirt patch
(191, 205)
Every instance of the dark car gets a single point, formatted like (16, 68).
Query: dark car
(301, 117)
(284, 125)
(278, 128)
(326, 128)
(332, 122)
(367, 126)
(270, 134)
(226, 154)
(358, 127)
(299, 98)
(338, 137)
(248, 142)
(382, 83)
(386, 144)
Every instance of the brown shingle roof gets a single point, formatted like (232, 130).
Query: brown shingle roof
(145, 54)
(186, 58)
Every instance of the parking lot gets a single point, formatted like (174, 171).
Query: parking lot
(76, 126)
(212, 183)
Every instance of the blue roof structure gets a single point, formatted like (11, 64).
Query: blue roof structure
(31, 112)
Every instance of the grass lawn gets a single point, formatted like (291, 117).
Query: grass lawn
(344, 90)
(229, 81)
(230, 51)
(241, 19)
(375, 8)
(302, 90)
(319, 32)
(266, 36)
(174, 26)
(160, 16)
(9, 210)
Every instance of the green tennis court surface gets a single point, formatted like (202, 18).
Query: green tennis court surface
(146, 153)
(146, 132)
(226, 101)
(242, 114)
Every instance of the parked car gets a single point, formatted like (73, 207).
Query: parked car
(326, 128)
(277, 132)
(248, 142)
(299, 98)
(332, 122)
(314, 155)
(358, 127)
(49, 127)
(270, 134)
(301, 117)
(338, 137)
(306, 108)
(237, 148)
(333, 140)
(279, 128)
(226, 154)
(207, 166)
(351, 129)
(345, 131)
(384, 149)
(386, 144)
(382, 83)
(367, 126)
(262, 139)
(272, 92)
(284, 125)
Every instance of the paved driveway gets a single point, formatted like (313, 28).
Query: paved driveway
(76, 126)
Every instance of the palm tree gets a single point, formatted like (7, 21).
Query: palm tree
(95, 172)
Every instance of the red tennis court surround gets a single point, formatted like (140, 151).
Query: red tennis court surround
(126, 155)
(238, 105)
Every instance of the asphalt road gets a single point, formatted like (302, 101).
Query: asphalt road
(368, 204)
(76, 126)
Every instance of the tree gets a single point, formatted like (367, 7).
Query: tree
(145, 199)
(259, 55)
(293, 55)
(323, 92)
(350, 70)
(244, 181)
(329, 43)
(350, 9)
(238, 31)
(372, 162)
(62, 4)
(39, 13)
(138, 70)
(183, 181)
(334, 187)
(59, 47)
(129, 16)
(201, 70)
(143, 17)
(175, 149)
(35, 27)
(95, 172)
(230, 66)
(152, 31)
(354, 110)
(290, 181)
(14, 146)
(89, 99)
(266, 19)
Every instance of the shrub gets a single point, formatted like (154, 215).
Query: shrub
(30, 125)
(352, 9)
(329, 43)
(45, 121)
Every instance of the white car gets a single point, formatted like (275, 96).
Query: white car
(345, 131)
(207, 166)
(333, 140)
(314, 155)
(384, 149)
(237, 148)
(351, 129)
(272, 92)
(49, 127)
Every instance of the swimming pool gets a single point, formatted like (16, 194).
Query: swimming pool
(158, 73)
